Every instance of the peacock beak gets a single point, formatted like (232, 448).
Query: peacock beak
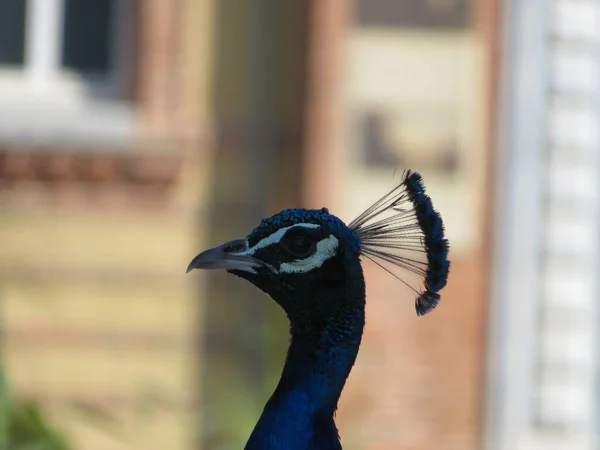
(229, 256)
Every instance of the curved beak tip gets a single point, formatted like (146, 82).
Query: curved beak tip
(222, 257)
(194, 263)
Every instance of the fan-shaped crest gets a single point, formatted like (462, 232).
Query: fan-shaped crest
(403, 231)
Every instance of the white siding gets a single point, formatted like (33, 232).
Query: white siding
(565, 394)
(543, 388)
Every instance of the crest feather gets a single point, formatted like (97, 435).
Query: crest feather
(403, 230)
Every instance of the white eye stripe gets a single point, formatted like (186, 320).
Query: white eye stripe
(326, 249)
(274, 238)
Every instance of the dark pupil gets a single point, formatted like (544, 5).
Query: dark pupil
(300, 245)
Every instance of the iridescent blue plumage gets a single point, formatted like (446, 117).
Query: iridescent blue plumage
(308, 261)
(436, 246)
(293, 216)
(397, 229)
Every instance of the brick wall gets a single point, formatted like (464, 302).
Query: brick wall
(98, 322)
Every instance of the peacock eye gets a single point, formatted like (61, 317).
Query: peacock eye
(300, 246)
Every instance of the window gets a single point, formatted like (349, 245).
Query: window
(428, 14)
(47, 38)
(64, 55)
(86, 37)
(12, 32)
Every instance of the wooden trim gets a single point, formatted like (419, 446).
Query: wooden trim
(21, 163)
(31, 177)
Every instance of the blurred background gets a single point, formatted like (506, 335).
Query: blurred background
(134, 133)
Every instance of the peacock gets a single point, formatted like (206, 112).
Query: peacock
(309, 262)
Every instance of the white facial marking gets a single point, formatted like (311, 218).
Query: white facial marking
(274, 238)
(326, 248)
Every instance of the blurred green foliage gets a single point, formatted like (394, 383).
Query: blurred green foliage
(23, 425)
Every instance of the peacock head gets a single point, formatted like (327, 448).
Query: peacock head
(306, 260)
(298, 257)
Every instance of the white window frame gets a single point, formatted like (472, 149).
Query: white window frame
(41, 83)
(43, 37)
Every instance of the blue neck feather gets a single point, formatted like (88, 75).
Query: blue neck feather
(299, 414)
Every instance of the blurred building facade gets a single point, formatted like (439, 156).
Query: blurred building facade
(134, 133)
(103, 105)
(414, 90)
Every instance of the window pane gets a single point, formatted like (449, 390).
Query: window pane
(12, 31)
(436, 14)
(87, 35)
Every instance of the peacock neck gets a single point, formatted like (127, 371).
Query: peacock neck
(299, 414)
